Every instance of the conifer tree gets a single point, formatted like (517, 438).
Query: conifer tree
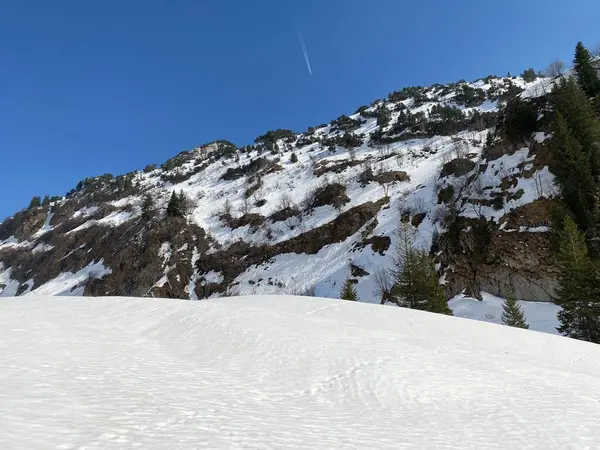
(183, 203)
(568, 99)
(147, 206)
(573, 173)
(587, 77)
(416, 283)
(174, 206)
(46, 200)
(578, 291)
(35, 202)
(294, 158)
(348, 291)
(512, 314)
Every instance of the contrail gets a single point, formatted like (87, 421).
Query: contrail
(304, 52)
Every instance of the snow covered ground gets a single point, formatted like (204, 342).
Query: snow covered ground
(284, 372)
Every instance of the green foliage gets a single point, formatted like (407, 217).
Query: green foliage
(35, 202)
(512, 314)
(147, 207)
(406, 93)
(578, 291)
(416, 282)
(383, 117)
(575, 151)
(361, 109)
(348, 291)
(346, 124)
(149, 168)
(573, 173)
(350, 140)
(469, 96)
(274, 135)
(46, 201)
(529, 75)
(176, 161)
(520, 119)
(587, 77)
(294, 158)
(177, 205)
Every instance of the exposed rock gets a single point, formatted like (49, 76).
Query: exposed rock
(333, 194)
(457, 167)
(392, 176)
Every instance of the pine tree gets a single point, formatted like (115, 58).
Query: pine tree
(35, 202)
(147, 206)
(587, 77)
(529, 75)
(416, 283)
(568, 99)
(573, 173)
(46, 200)
(183, 203)
(174, 206)
(512, 314)
(294, 158)
(578, 291)
(348, 291)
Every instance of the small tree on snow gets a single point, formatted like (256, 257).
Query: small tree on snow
(512, 314)
(348, 291)
(416, 283)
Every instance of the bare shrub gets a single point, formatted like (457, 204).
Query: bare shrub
(461, 149)
(384, 151)
(400, 159)
(285, 202)
(384, 282)
(351, 153)
(555, 68)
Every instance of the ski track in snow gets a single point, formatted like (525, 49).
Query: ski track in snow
(284, 372)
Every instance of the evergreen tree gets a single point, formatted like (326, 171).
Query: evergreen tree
(512, 314)
(529, 75)
(587, 77)
(35, 202)
(183, 203)
(348, 291)
(578, 291)
(46, 200)
(416, 283)
(174, 206)
(572, 169)
(568, 99)
(147, 206)
(294, 158)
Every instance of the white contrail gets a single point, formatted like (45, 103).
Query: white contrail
(304, 52)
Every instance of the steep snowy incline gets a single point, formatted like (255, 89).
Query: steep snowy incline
(284, 372)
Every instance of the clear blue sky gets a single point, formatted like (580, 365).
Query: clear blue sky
(89, 87)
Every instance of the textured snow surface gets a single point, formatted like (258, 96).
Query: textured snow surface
(284, 372)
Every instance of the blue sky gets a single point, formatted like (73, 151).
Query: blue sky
(90, 87)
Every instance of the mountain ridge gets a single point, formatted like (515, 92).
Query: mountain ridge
(251, 210)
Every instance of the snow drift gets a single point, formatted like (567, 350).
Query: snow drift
(284, 372)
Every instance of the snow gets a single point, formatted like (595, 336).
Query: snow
(69, 283)
(85, 212)
(8, 286)
(41, 248)
(46, 227)
(540, 316)
(114, 219)
(13, 242)
(284, 372)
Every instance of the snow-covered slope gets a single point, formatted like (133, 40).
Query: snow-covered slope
(302, 212)
(284, 372)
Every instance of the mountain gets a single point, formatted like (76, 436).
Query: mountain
(284, 372)
(466, 164)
